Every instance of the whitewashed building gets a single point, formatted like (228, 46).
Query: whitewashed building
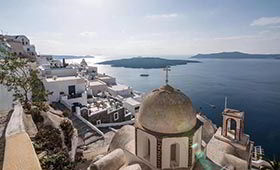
(46, 71)
(68, 90)
(20, 45)
(97, 86)
(131, 105)
(120, 90)
(110, 81)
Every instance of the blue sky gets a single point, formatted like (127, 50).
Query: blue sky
(144, 27)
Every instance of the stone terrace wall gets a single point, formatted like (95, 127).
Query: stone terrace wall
(19, 152)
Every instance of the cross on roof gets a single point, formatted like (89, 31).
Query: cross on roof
(166, 69)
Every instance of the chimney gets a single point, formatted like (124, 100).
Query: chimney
(63, 62)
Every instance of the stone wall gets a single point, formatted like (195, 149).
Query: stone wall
(19, 152)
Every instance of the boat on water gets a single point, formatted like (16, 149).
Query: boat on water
(144, 75)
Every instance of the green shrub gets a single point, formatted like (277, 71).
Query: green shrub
(48, 139)
(36, 115)
(68, 130)
(42, 106)
(66, 113)
(57, 161)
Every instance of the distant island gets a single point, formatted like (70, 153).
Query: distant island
(236, 55)
(71, 56)
(146, 62)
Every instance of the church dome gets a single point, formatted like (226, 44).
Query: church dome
(167, 110)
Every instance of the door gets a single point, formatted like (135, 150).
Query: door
(71, 90)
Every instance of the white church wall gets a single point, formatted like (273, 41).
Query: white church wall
(142, 146)
(166, 144)
(6, 99)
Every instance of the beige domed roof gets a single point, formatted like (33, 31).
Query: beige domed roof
(124, 139)
(167, 110)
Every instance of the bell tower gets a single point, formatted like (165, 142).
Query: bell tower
(233, 124)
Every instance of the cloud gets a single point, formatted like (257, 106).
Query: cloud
(263, 21)
(162, 16)
(88, 34)
(241, 37)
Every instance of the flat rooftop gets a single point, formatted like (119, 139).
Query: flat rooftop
(96, 83)
(119, 87)
(66, 78)
(132, 101)
(105, 77)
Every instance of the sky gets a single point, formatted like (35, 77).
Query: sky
(144, 27)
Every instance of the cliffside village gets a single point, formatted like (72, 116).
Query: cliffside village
(120, 128)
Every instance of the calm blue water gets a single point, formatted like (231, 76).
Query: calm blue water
(251, 85)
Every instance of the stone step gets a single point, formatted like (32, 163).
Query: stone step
(89, 135)
(83, 127)
(78, 123)
(92, 139)
(83, 132)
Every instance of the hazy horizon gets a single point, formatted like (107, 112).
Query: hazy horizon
(145, 27)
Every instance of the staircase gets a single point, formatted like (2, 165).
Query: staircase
(87, 134)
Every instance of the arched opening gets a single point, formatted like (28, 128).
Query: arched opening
(231, 128)
(147, 153)
(174, 155)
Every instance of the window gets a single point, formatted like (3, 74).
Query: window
(137, 109)
(173, 152)
(116, 116)
(174, 155)
(126, 113)
(71, 89)
(147, 153)
(98, 122)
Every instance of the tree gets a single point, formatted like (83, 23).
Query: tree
(15, 75)
(18, 76)
(39, 93)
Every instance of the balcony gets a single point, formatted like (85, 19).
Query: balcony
(68, 100)
(73, 96)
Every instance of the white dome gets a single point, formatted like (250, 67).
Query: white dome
(167, 110)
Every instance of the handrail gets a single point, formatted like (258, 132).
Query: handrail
(89, 124)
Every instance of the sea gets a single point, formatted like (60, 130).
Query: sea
(250, 85)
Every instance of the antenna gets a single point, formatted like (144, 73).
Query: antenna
(226, 102)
